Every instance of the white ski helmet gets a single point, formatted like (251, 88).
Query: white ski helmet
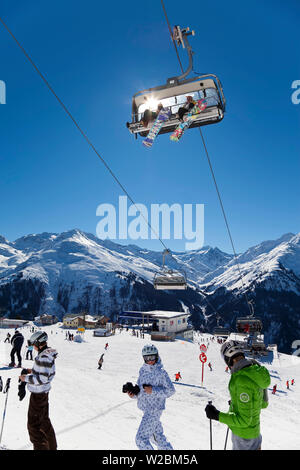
(229, 350)
(149, 350)
(38, 337)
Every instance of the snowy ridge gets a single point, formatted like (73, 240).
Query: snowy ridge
(75, 271)
(269, 261)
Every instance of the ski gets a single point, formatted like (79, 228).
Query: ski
(188, 119)
(162, 117)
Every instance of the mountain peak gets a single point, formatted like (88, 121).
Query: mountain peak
(3, 240)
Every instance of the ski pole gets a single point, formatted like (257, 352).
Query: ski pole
(7, 385)
(229, 403)
(210, 428)
(226, 438)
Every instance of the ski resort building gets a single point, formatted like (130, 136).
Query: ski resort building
(46, 320)
(12, 323)
(162, 325)
(75, 321)
(86, 321)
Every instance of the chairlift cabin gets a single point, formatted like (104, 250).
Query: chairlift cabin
(248, 325)
(173, 95)
(221, 331)
(168, 279)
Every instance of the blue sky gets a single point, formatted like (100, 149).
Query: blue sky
(96, 55)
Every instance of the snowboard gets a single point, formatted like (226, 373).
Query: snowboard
(188, 119)
(162, 117)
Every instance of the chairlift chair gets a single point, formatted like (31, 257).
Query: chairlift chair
(220, 330)
(168, 279)
(173, 94)
(248, 325)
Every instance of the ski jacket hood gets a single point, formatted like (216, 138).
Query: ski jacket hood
(162, 387)
(254, 371)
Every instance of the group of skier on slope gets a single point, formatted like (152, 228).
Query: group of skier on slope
(247, 387)
(248, 391)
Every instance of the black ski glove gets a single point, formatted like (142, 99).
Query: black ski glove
(22, 385)
(22, 390)
(212, 412)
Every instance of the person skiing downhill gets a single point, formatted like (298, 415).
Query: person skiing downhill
(100, 362)
(248, 391)
(177, 377)
(38, 380)
(154, 387)
(7, 338)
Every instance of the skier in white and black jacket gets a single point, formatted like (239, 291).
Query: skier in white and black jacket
(38, 382)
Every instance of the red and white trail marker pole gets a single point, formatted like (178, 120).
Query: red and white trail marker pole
(203, 359)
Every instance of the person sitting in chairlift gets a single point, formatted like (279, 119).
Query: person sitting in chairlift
(150, 116)
(189, 104)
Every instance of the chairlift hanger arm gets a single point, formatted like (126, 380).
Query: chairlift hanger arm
(180, 35)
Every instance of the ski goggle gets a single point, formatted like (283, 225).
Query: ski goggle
(150, 358)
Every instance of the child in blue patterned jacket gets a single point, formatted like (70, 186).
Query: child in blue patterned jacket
(155, 386)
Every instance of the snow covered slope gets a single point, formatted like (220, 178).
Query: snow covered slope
(74, 271)
(89, 411)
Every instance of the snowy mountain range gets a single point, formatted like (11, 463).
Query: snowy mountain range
(75, 271)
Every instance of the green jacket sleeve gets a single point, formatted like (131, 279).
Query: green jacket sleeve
(242, 414)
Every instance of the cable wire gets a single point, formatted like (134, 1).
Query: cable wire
(84, 135)
(214, 179)
(171, 34)
(225, 218)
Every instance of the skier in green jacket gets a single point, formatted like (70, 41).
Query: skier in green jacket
(248, 392)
